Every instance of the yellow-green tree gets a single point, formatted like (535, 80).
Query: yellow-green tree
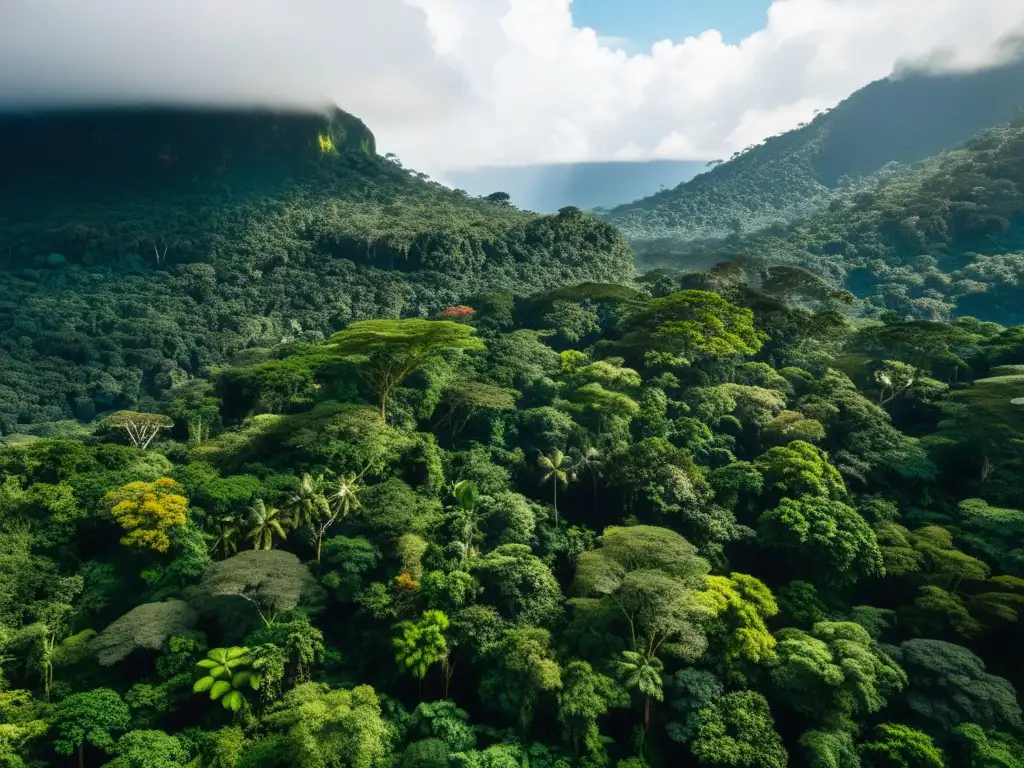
(148, 511)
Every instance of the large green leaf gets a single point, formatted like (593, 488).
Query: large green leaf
(220, 672)
(240, 678)
(203, 684)
(233, 701)
(254, 680)
(207, 663)
(219, 689)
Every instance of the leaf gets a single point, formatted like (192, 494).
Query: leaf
(240, 678)
(207, 663)
(203, 684)
(254, 680)
(233, 701)
(219, 689)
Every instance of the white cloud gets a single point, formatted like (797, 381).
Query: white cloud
(460, 83)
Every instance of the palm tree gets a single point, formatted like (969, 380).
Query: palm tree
(559, 470)
(224, 539)
(591, 462)
(343, 495)
(308, 504)
(265, 525)
(642, 671)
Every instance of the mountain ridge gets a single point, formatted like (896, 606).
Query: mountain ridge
(870, 136)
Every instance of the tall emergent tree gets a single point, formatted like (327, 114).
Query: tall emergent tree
(390, 350)
(140, 428)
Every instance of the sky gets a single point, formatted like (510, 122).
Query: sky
(455, 84)
(635, 25)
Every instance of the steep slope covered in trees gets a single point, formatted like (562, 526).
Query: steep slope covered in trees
(944, 240)
(900, 120)
(140, 247)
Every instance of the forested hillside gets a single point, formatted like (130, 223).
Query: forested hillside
(943, 241)
(141, 247)
(867, 138)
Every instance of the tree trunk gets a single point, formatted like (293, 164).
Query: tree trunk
(81, 754)
(384, 405)
(556, 503)
(647, 714)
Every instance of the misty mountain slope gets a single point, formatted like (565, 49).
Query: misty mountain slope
(139, 248)
(898, 120)
(943, 240)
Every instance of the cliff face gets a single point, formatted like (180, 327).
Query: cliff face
(154, 144)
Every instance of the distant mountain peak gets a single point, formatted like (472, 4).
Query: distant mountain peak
(894, 122)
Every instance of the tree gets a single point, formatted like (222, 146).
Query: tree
(419, 645)
(193, 405)
(797, 469)
(224, 538)
(333, 728)
(24, 719)
(270, 580)
(226, 673)
(141, 428)
(390, 350)
(148, 511)
(586, 696)
(738, 730)
(834, 672)
(265, 525)
(979, 748)
(558, 469)
(149, 749)
(521, 669)
(641, 671)
(342, 497)
(520, 585)
(741, 605)
(308, 503)
(688, 326)
(149, 625)
(949, 686)
(835, 543)
(91, 717)
(898, 746)
(651, 579)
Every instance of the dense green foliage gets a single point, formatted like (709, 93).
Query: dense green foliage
(708, 529)
(718, 520)
(186, 239)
